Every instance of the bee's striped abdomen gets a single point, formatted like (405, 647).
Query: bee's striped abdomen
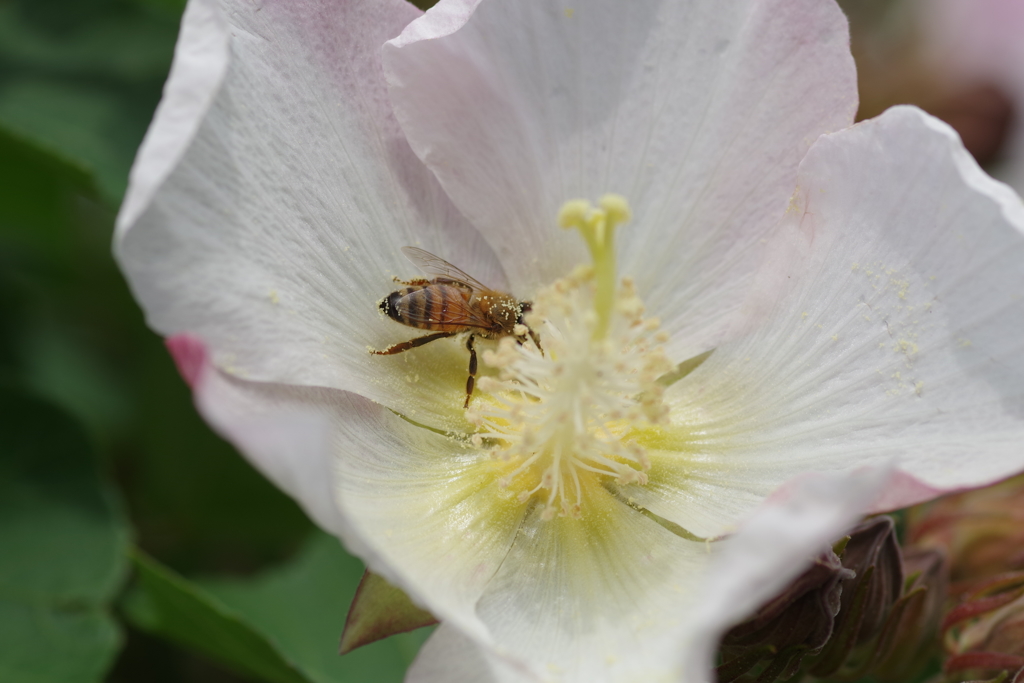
(426, 307)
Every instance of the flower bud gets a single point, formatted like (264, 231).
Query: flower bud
(867, 598)
(795, 623)
(981, 531)
(985, 632)
(909, 638)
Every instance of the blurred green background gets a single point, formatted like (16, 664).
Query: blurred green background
(112, 490)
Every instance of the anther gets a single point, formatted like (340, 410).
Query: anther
(574, 213)
(616, 208)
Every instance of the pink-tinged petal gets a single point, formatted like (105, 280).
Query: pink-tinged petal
(898, 337)
(190, 357)
(904, 490)
(450, 657)
(697, 112)
(271, 198)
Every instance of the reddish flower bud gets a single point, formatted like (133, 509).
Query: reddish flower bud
(985, 632)
(874, 555)
(909, 638)
(795, 623)
(981, 531)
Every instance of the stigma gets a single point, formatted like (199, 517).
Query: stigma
(560, 415)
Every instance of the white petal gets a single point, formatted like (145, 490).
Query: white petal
(273, 193)
(200, 62)
(583, 597)
(604, 598)
(625, 600)
(429, 507)
(613, 600)
(698, 112)
(450, 657)
(900, 337)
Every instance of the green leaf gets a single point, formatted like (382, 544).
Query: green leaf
(166, 604)
(88, 127)
(183, 473)
(79, 80)
(81, 38)
(282, 626)
(302, 608)
(64, 537)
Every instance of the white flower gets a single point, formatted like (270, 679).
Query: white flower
(564, 527)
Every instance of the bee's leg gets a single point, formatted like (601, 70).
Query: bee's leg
(536, 340)
(412, 343)
(471, 380)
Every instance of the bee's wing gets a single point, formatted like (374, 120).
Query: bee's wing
(439, 268)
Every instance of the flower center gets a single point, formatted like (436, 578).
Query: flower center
(563, 413)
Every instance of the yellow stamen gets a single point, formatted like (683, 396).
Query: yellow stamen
(561, 420)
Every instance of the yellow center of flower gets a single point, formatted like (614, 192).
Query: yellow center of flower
(562, 414)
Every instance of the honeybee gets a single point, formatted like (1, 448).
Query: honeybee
(452, 303)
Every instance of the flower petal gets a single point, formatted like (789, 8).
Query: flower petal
(900, 336)
(573, 595)
(272, 195)
(450, 657)
(623, 599)
(586, 596)
(601, 598)
(429, 507)
(697, 112)
(421, 509)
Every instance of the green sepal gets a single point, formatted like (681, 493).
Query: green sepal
(380, 610)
